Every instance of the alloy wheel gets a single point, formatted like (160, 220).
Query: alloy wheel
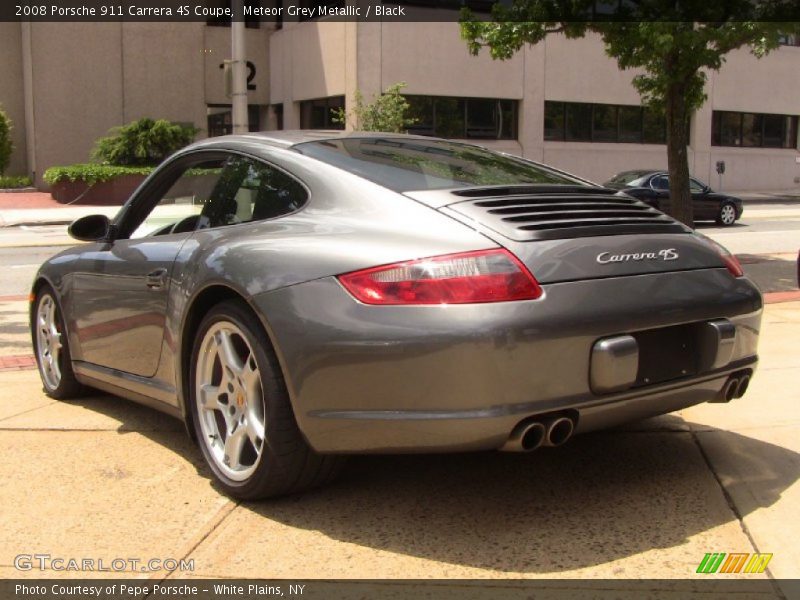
(727, 214)
(48, 341)
(230, 401)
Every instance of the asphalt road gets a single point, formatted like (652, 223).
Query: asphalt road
(19, 265)
(766, 240)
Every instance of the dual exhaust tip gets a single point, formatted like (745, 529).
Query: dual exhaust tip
(531, 434)
(527, 436)
(735, 387)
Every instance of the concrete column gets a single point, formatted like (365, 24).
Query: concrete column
(27, 86)
(700, 164)
(531, 108)
(239, 68)
(351, 64)
(369, 61)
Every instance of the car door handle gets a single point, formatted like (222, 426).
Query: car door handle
(155, 279)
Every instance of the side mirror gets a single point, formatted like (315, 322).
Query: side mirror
(706, 189)
(92, 228)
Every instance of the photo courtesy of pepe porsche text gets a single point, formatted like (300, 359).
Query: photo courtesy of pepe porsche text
(144, 589)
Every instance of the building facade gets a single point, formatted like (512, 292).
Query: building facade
(562, 102)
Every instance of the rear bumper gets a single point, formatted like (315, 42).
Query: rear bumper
(452, 378)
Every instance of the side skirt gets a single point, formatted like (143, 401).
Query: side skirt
(132, 387)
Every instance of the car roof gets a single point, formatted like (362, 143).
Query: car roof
(639, 172)
(290, 137)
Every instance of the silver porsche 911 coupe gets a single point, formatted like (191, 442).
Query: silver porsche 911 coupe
(298, 296)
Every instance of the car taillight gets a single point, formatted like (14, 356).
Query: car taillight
(731, 262)
(463, 278)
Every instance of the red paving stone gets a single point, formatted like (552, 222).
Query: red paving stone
(10, 200)
(17, 363)
(775, 297)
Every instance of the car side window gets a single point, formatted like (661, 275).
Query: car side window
(660, 183)
(695, 187)
(179, 207)
(249, 190)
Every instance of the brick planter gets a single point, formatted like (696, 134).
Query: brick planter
(113, 192)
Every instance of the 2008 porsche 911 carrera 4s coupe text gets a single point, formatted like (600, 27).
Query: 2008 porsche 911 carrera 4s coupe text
(298, 296)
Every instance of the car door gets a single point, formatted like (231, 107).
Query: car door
(659, 186)
(705, 206)
(120, 299)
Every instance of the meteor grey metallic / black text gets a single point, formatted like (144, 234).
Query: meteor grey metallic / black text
(297, 296)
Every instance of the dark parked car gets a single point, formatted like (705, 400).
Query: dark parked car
(653, 188)
(295, 296)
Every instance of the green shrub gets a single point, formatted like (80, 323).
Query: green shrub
(90, 173)
(142, 143)
(11, 182)
(388, 112)
(6, 145)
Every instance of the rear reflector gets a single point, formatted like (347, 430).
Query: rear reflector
(464, 278)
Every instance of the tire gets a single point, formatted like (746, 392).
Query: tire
(241, 412)
(51, 347)
(727, 214)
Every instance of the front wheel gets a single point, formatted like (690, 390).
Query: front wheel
(51, 347)
(241, 411)
(727, 214)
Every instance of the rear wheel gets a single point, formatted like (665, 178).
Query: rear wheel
(51, 347)
(727, 214)
(241, 410)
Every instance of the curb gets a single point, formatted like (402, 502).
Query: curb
(35, 223)
(25, 190)
(43, 245)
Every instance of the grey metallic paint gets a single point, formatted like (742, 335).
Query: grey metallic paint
(392, 378)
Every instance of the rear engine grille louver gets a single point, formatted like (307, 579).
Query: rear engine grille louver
(530, 214)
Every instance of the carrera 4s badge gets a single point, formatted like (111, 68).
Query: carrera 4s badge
(665, 254)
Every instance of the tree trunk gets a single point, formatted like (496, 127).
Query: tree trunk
(677, 158)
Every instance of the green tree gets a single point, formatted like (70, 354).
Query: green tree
(142, 143)
(388, 112)
(6, 145)
(674, 44)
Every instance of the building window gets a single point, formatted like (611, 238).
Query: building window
(220, 119)
(251, 22)
(277, 110)
(463, 118)
(319, 114)
(789, 39)
(753, 130)
(584, 122)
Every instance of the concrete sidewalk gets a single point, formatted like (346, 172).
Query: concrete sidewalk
(105, 478)
(790, 195)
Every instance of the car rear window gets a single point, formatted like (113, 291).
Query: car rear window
(629, 178)
(405, 165)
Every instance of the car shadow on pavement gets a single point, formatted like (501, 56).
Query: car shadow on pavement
(713, 225)
(600, 498)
